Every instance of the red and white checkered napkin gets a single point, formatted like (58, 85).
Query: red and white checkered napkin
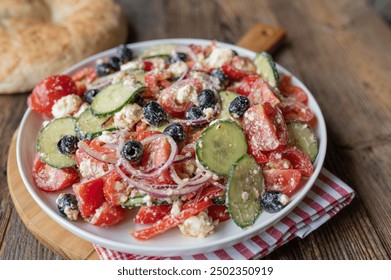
(325, 199)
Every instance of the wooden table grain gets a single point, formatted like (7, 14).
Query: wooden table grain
(339, 49)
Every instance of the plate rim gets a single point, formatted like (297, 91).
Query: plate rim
(195, 248)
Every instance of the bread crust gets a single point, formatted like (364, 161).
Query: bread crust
(43, 37)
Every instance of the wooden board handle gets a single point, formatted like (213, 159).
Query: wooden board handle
(262, 37)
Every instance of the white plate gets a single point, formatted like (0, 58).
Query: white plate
(171, 243)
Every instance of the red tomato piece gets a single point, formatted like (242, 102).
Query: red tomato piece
(277, 161)
(49, 90)
(299, 160)
(264, 132)
(82, 78)
(169, 222)
(114, 189)
(285, 180)
(107, 215)
(288, 89)
(261, 92)
(244, 64)
(218, 212)
(52, 179)
(294, 110)
(258, 155)
(144, 134)
(148, 65)
(152, 214)
(153, 80)
(244, 86)
(89, 195)
(232, 72)
(155, 154)
(169, 102)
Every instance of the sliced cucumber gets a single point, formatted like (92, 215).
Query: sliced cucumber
(220, 146)
(48, 138)
(245, 187)
(266, 68)
(226, 99)
(135, 201)
(163, 50)
(113, 98)
(89, 126)
(303, 137)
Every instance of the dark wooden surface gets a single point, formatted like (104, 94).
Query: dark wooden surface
(340, 50)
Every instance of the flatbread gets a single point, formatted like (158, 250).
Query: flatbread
(39, 38)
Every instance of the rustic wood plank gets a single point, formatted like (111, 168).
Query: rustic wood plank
(343, 57)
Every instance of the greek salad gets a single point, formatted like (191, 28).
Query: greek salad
(185, 136)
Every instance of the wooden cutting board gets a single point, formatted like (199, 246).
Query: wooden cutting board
(259, 38)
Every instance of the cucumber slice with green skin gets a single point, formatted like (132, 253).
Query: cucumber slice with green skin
(48, 138)
(163, 50)
(113, 98)
(135, 201)
(89, 126)
(220, 146)
(139, 200)
(266, 68)
(226, 99)
(303, 137)
(245, 187)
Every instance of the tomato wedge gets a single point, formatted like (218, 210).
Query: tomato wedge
(48, 91)
(297, 158)
(288, 89)
(285, 181)
(189, 209)
(89, 195)
(294, 110)
(264, 131)
(107, 215)
(219, 213)
(152, 214)
(52, 179)
(114, 189)
(261, 92)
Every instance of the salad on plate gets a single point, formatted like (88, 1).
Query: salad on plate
(185, 136)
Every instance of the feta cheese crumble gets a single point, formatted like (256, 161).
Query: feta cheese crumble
(66, 105)
(219, 56)
(185, 94)
(128, 116)
(199, 226)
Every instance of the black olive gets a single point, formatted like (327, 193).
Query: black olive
(132, 150)
(176, 131)
(274, 201)
(90, 94)
(239, 106)
(66, 202)
(67, 144)
(124, 53)
(154, 113)
(104, 69)
(194, 113)
(221, 76)
(207, 99)
(115, 63)
(179, 56)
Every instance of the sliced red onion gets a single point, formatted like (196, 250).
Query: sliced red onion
(155, 171)
(217, 184)
(181, 158)
(191, 122)
(97, 155)
(159, 191)
(101, 82)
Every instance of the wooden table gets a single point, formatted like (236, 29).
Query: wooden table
(340, 50)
